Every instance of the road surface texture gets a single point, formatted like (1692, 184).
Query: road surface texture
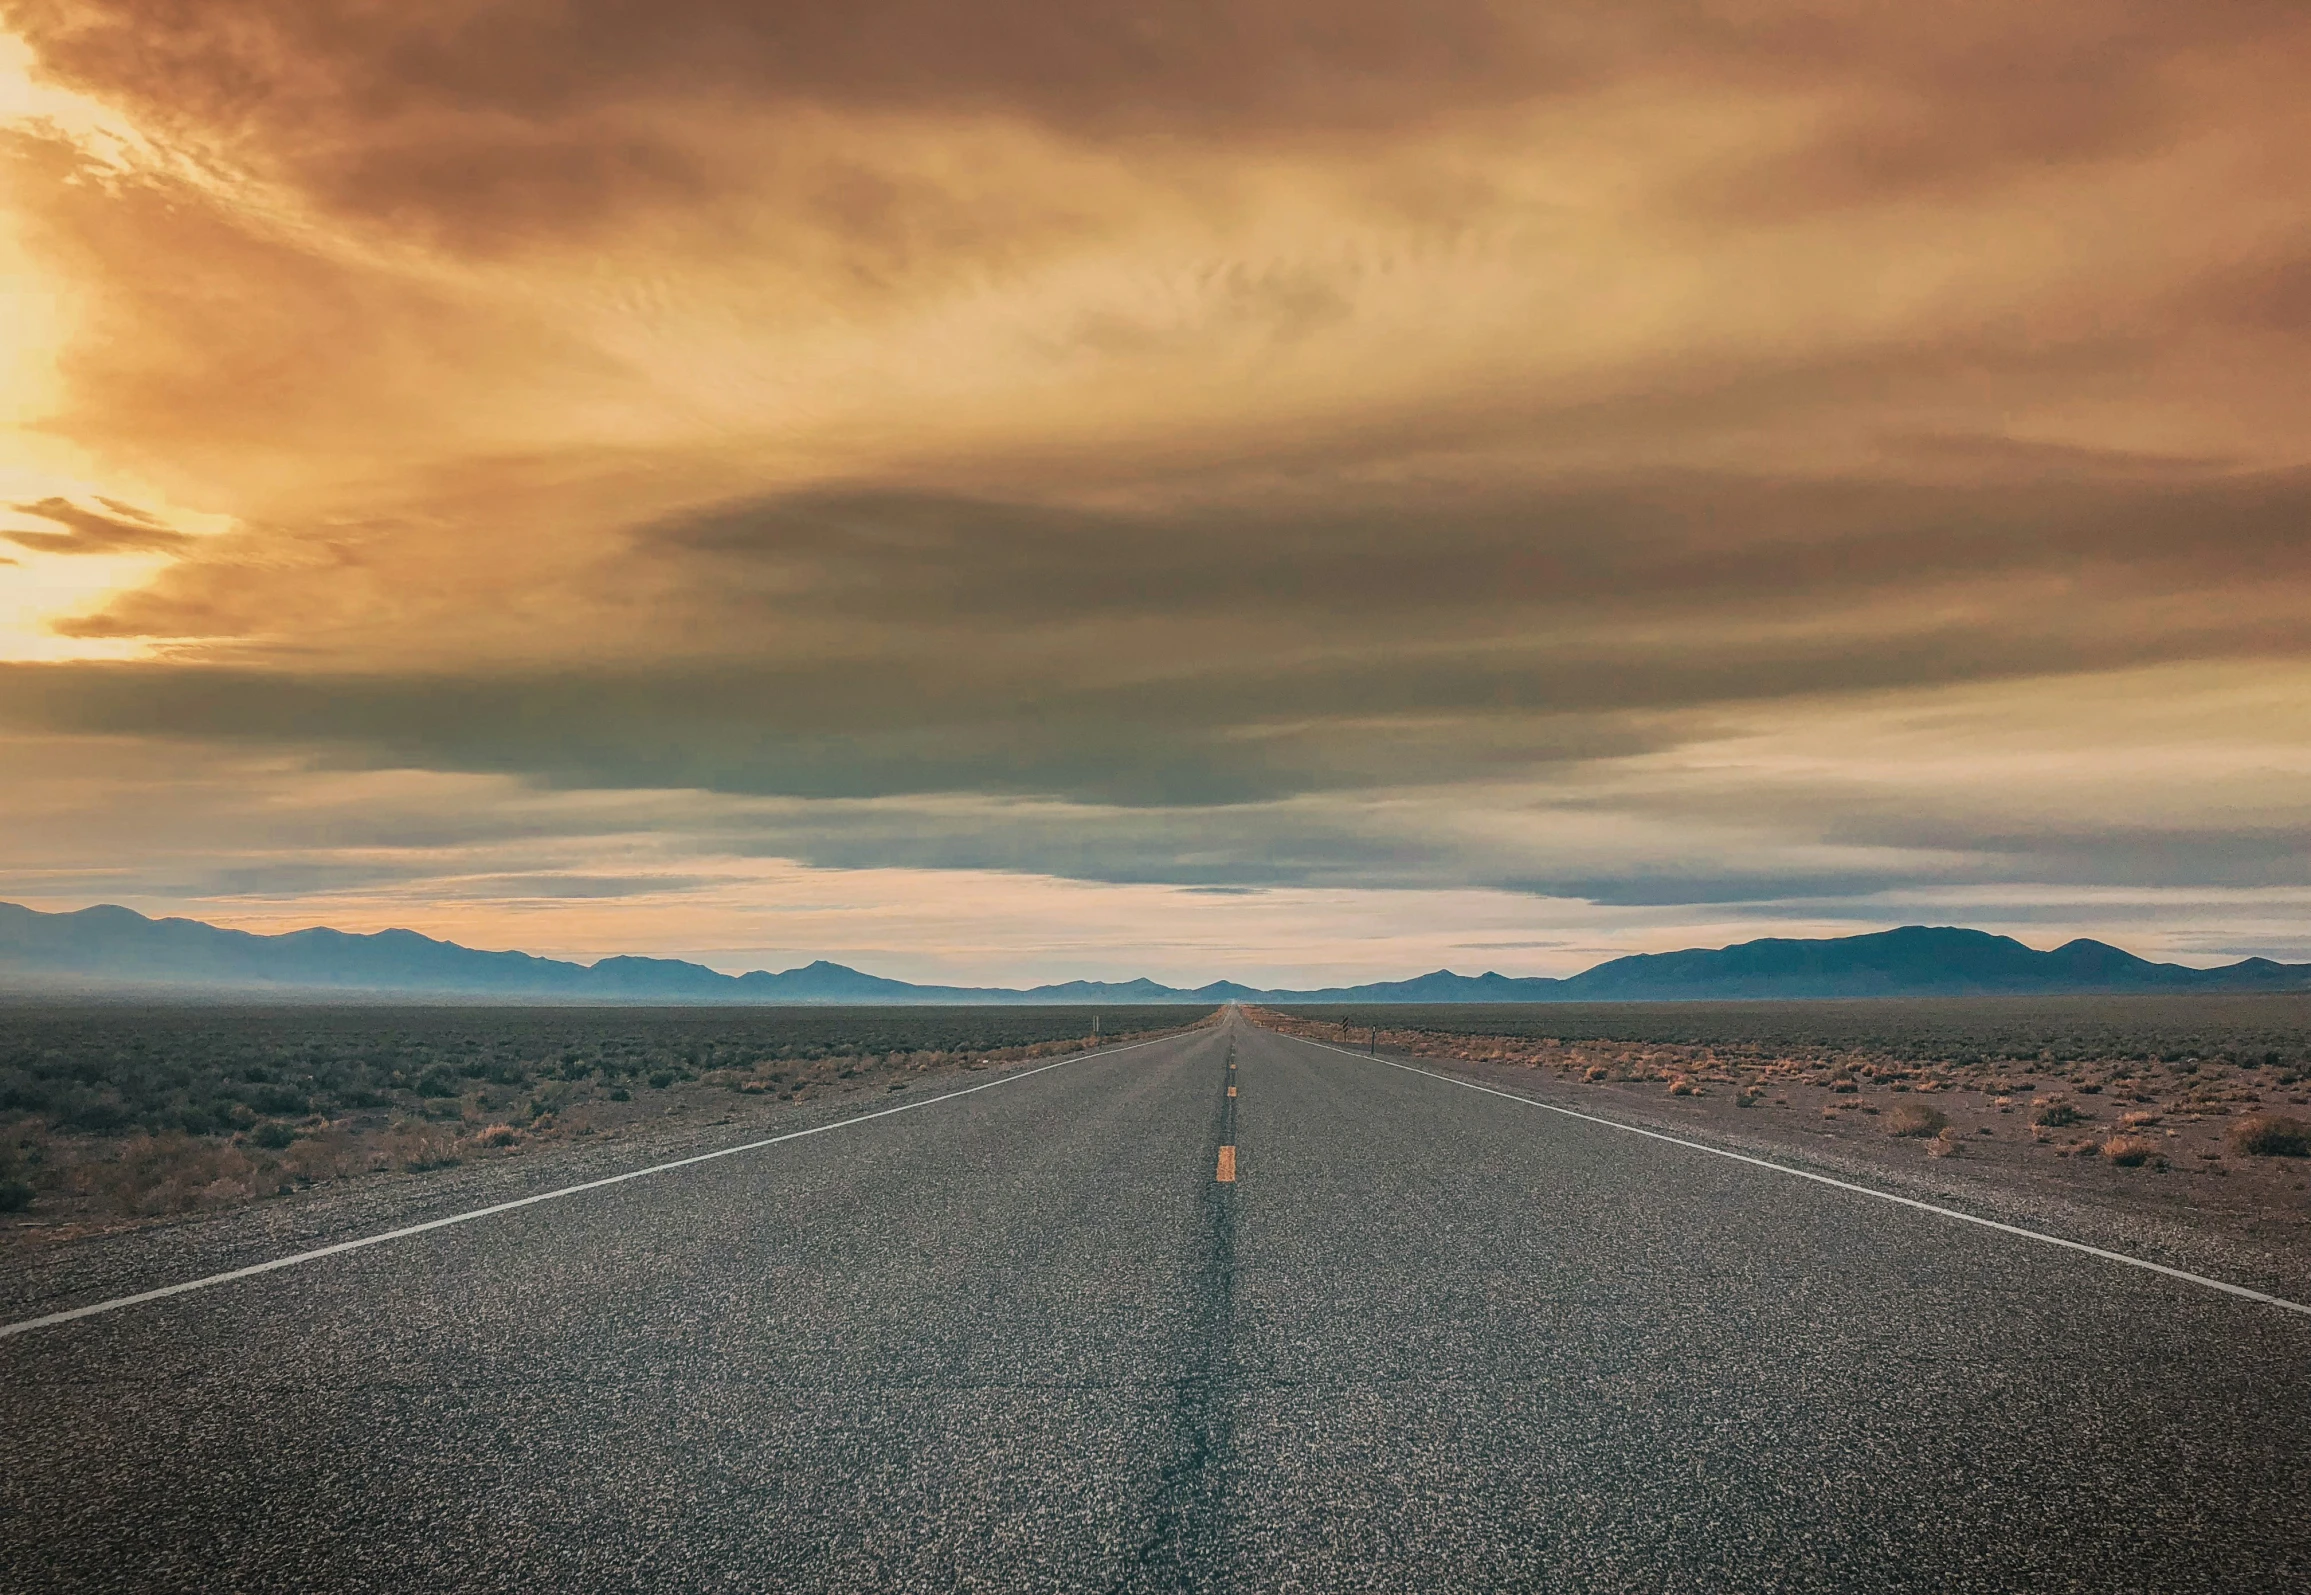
(1028, 1339)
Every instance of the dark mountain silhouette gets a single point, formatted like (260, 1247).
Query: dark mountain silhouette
(109, 949)
(1916, 960)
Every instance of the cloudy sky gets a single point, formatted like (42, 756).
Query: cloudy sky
(1281, 489)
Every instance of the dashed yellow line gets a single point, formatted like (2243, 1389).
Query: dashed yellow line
(1231, 1090)
(1227, 1175)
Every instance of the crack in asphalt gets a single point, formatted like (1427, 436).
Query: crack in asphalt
(1181, 1550)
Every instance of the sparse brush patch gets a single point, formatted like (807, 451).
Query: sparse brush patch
(324, 1152)
(2054, 1112)
(498, 1135)
(2270, 1135)
(1947, 1144)
(1916, 1119)
(16, 1192)
(1682, 1087)
(2130, 1151)
(2136, 1121)
(415, 1148)
(172, 1173)
(1595, 1072)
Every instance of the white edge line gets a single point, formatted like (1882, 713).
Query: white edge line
(319, 1252)
(1823, 1179)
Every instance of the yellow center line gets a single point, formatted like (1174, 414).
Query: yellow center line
(1231, 1090)
(1227, 1175)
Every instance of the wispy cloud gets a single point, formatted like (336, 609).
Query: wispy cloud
(117, 529)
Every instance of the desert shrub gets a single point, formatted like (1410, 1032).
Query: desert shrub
(201, 1120)
(499, 1135)
(2270, 1135)
(273, 1135)
(279, 1099)
(171, 1173)
(1682, 1087)
(2130, 1151)
(415, 1147)
(1915, 1119)
(661, 1080)
(15, 1196)
(95, 1114)
(328, 1156)
(2054, 1112)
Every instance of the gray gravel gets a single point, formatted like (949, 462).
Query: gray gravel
(1023, 1341)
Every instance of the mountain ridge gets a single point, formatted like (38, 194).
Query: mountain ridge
(113, 950)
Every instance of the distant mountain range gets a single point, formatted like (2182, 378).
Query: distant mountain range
(108, 950)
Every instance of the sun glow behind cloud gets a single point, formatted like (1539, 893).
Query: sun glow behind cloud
(44, 313)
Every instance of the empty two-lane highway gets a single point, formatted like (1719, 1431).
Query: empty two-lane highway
(1036, 1338)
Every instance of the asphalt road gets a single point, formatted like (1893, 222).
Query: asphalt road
(1026, 1339)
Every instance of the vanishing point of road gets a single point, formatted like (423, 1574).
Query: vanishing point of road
(1029, 1338)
